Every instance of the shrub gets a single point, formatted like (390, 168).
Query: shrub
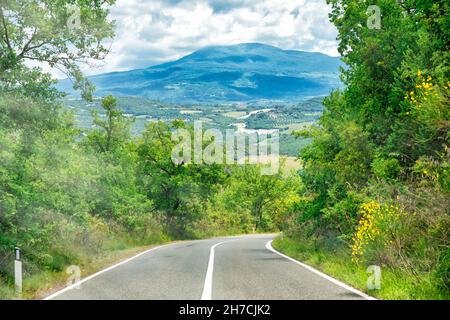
(376, 227)
(386, 168)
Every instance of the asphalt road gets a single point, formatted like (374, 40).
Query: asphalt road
(244, 267)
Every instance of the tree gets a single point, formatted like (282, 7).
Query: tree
(376, 171)
(112, 131)
(43, 31)
(180, 191)
(258, 194)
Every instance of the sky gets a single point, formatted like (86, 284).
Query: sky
(150, 32)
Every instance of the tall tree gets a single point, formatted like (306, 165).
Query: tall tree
(61, 33)
(112, 130)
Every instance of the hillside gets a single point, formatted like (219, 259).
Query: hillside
(238, 73)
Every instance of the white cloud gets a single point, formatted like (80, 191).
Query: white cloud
(154, 31)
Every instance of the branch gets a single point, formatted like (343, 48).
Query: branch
(58, 59)
(8, 43)
(27, 47)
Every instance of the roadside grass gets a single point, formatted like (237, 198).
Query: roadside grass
(6, 292)
(46, 282)
(395, 284)
(40, 286)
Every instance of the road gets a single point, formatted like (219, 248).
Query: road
(244, 268)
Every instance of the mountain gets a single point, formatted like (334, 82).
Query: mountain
(237, 73)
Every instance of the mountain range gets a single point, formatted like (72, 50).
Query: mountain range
(226, 74)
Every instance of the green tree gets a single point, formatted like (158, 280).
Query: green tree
(40, 31)
(180, 191)
(249, 190)
(382, 143)
(113, 130)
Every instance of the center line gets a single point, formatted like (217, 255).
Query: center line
(207, 288)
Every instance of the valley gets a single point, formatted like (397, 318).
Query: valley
(261, 117)
(248, 87)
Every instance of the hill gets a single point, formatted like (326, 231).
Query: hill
(227, 74)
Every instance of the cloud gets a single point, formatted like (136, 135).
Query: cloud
(155, 31)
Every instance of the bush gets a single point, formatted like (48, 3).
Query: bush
(386, 168)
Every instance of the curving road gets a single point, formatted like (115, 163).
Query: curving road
(243, 268)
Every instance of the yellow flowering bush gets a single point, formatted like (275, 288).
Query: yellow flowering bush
(375, 222)
(283, 206)
(424, 89)
(429, 101)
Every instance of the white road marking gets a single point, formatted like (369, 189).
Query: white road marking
(77, 284)
(323, 275)
(207, 288)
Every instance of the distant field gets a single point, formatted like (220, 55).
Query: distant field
(190, 111)
(235, 114)
(296, 126)
(288, 118)
(290, 164)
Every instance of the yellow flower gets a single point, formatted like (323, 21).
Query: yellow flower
(374, 218)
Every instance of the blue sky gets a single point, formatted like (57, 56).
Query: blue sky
(155, 31)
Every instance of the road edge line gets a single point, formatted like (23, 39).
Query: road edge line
(72, 286)
(323, 275)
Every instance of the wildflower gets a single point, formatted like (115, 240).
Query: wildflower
(374, 218)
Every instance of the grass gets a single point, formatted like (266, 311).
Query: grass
(395, 284)
(44, 283)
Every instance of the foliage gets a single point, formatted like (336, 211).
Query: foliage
(375, 179)
(337, 262)
(377, 221)
(39, 30)
(376, 174)
(264, 199)
(111, 132)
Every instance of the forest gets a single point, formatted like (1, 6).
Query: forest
(373, 188)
